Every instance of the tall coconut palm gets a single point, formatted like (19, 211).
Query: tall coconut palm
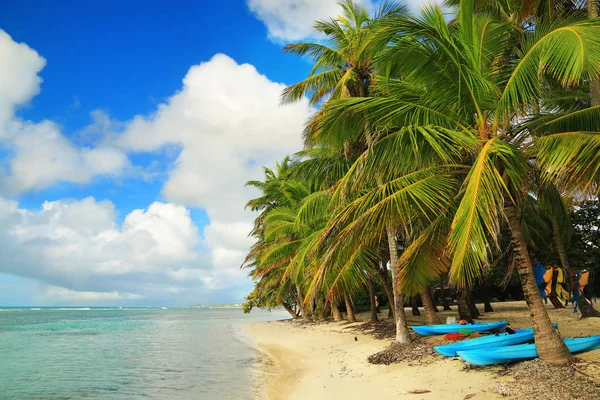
(344, 65)
(345, 68)
(454, 104)
(529, 12)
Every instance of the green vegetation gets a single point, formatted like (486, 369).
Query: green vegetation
(439, 147)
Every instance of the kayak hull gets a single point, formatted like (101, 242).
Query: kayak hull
(428, 330)
(503, 355)
(497, 340)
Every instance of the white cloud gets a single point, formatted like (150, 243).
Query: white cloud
(43, 157)
(40, 154)
(19, 81)
(56, 293)
(291, 20)
(225, 124)
(80, 251)
(228, 123)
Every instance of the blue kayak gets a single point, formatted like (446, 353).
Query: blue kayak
(427, 330)
(485, 342)
(520, 352)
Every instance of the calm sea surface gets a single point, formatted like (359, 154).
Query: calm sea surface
(133, 353)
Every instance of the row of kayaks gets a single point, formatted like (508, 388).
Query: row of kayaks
(498, 348)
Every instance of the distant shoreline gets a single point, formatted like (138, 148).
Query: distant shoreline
(87, 307)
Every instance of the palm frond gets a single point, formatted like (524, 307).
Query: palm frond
(425, 259)
(565, 52)
(571, 158)
(476, 224)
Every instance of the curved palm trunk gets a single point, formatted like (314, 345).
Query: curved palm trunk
(326, 310)
(471, 304)
(429, 307)
(487, 306)
(349, 309)
(414, 305)
(372, 300)
(289, 309)
(587, 310)
(335, 311)
(387, 288)
(402, 332)
(550, 347)
(555, 301)
(463, 307)
(300, 301)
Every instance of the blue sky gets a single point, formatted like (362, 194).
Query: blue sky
(126, 58)
(127, 132)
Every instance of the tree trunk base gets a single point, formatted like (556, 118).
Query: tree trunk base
(415, 306)
(337, 314)
(587, 310)
(349, 309)
(373, 300)
(402, 332)
(432, 318)
(472, 307)
(463, 309)
(555, 301)
(550, 347)
(487, 307)
(387, 288)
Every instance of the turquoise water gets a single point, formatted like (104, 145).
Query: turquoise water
(127, 353)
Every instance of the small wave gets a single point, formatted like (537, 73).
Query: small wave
(34, 309)
(75, 309)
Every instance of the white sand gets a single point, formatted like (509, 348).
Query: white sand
(325, 361)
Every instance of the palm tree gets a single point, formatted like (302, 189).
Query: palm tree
(529, 12)
(283, 259)
(345, 68)
(461, 118)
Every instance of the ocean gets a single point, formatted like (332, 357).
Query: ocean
(129, 353)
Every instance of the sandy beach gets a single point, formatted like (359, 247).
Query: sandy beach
(329, 360)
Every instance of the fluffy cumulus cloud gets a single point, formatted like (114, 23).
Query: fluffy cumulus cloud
(81, 252)
(39, 154)
(222, 126)
(291, 20)
(19, 81)
(228, 123)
